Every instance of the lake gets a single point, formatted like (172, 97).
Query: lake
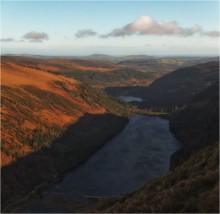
(139, 153)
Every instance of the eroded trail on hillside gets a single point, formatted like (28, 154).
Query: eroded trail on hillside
(139, 153)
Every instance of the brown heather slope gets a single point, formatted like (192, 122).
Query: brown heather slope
(62, 64)
(94, 72)
(33, 99)
(49, 123)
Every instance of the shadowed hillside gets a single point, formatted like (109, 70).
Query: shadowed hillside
(47, 164)
(197, 126)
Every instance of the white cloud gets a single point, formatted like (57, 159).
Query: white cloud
(146, 25)
(35, 36)
(85, 33)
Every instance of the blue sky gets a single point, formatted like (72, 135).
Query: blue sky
(110, 27)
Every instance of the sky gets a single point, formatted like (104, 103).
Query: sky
(76, 28)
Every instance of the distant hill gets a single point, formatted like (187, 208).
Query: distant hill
(162, 65)
(103, 57)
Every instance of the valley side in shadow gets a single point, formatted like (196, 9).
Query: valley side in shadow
(39, 169)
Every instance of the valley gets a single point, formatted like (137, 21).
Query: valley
(57, 119)
(109, 106)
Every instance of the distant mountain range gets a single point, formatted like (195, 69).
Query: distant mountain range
(120, 58)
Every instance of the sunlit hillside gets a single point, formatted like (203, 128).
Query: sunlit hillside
(31, 102)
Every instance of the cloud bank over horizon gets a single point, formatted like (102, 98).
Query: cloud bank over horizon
(143, 25)
(146, 25)
(7, 40)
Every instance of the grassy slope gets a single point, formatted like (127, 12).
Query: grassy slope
(49, 124)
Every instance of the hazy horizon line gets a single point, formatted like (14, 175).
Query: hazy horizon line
(120, 55)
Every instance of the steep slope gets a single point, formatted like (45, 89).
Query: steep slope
(31, 100)
(197, 126)
(49, 123)
(193, 183)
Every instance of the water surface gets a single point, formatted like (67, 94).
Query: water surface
(130, 98)
(139, 153)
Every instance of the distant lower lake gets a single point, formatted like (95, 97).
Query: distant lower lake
(130, 98)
